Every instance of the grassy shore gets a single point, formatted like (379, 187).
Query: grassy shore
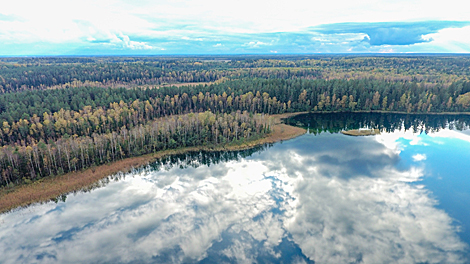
(49, 188)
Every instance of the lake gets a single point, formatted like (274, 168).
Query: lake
(399, 197)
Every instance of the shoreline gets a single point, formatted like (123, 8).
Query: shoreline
(386, 112)
(51, 187)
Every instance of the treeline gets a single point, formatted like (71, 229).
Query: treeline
(196, 159)
(450, 63)
(89, 120)
(350, 95)
(139, 106)
(17, 78)
(23, 78)
(22, 74)
(25, 104)
(25, 163)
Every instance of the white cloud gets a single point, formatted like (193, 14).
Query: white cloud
(256, 44)
(419, 157)
(127, 43)
(121, 41)
(452, 39)
(389, 50)
(193, 39)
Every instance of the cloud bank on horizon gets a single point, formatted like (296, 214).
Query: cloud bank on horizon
(124, 27)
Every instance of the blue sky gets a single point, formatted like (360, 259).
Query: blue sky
(122, 27)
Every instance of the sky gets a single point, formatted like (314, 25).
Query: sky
(162, 27)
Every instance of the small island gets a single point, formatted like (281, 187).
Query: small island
(361, 132)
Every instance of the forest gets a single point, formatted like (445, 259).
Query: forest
(62, 114)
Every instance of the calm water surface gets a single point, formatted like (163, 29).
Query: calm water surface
(399, 197)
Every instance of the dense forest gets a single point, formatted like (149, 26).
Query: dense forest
(19, 74)
(61, 114)
(71, 153)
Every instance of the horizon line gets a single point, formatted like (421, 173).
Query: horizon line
(245, 54)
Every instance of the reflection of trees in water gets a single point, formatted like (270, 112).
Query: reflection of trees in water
(336, 122)
(206, 158)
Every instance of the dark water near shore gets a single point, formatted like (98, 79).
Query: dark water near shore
(399, 197)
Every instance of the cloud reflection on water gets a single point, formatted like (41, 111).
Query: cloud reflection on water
(326, 198)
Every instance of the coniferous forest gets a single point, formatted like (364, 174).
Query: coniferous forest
(62, 114)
